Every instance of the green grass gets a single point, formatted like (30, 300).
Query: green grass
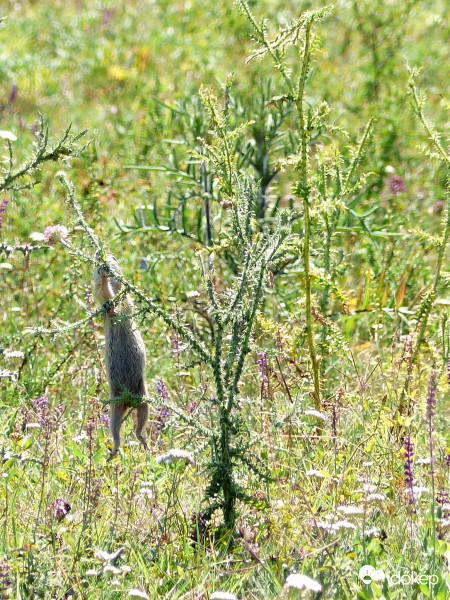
(130, 74)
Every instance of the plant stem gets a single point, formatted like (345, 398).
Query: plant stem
(305, 193)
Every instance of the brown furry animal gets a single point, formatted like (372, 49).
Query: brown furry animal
(124, 353)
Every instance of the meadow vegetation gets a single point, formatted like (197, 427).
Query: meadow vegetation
(274, 182)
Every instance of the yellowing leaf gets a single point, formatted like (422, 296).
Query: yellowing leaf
(369, 445)
(61, 474)
(386, 421)
(385, 295)
(400, 294)
(118, 72)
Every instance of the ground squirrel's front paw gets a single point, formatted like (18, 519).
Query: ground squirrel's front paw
(109, 307)
(104, 271)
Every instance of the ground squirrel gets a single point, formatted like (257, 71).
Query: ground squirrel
(124, 352)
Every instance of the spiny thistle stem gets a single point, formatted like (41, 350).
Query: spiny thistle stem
(304, 189)
(433, 137)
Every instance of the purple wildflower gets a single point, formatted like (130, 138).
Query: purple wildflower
(176, 348)
(163, 413)
(438, 206)
(5, 579)
(430, 411)
(104, 419)
(396, 185)
(431, 400)
(191, 407)
(263, 367)
(54, 234)
(176, 345)
(60, 508)
(41, 408)
(161, 389)
(442, 498)
(107, 16)
(12, 97)
(408, 453)
(161, 419)
(447, 459)
(3, 205)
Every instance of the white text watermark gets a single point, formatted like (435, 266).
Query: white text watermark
(368, 574)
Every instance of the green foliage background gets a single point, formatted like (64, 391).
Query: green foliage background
(130, 73)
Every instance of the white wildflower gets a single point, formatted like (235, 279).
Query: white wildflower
(91, 573)
(36, 236)
(13, 354)
(322, 525)
(418, 490)
(303, 582)
(175, 454)
(372, 531)
(8, 135)
(126, 568)
(311, 412)
(369, 463)
(193, 294)
(368, 487)
(315, 473)
(376, 497)
(138, 594)
(343, 525)
(5, 374)
(146, 491)
(107, 556)
(423, 461)
(81, 437)
(350, 510)
(222, 596)
(6, 266)
(112, 569)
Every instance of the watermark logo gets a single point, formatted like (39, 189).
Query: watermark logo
(368, 574)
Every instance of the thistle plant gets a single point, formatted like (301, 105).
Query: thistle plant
(300, 35)
(17, 177)
(233, 313)
(25, 176)
(325, 192)
(439, 152)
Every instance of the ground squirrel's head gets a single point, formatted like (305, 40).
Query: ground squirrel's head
(106, 286)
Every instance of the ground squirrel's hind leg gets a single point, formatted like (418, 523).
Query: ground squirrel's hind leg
(142, 416)
(116, 414)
